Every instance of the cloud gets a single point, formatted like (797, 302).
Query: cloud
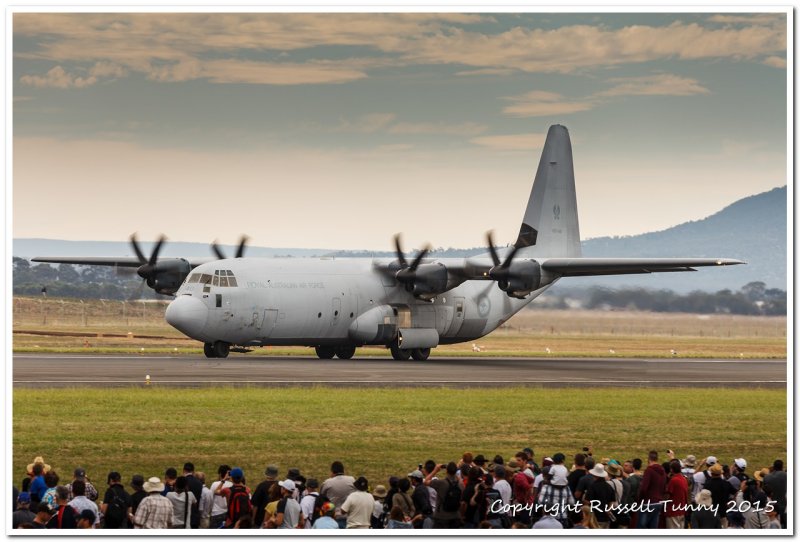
(749, 18)
(541, 103)
(775, 61)
(439, 128)
(367, 124)
(57, 77)
(187, 46)
(511, 142)
(663, 84)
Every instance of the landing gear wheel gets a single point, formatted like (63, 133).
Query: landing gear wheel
(208, 350)
(345, 352)
(420, 354)
(400, 354)
(325, 352)
(221, 349)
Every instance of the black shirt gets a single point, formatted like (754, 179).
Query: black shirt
(603, 495)
(69, 519)
(118, 491)
(261, 499)
(704, 518)
(573, 478)
(721, 492)
(421, 500)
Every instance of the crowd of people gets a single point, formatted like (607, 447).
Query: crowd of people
(471, 493)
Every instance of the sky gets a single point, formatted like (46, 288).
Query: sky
(319, 130)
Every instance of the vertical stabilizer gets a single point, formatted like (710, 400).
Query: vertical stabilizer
(550, 226)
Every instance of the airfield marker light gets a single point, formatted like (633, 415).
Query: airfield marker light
(146, 380)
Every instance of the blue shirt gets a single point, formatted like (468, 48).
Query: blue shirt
(37, 489)
(325, 522)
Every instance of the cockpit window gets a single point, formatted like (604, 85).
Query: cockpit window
(205, 279)
(223, 278)
(195, 277)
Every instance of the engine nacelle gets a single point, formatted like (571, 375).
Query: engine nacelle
(523, 277)
(430, 280)
(166, 276)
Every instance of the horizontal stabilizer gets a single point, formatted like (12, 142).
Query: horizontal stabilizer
(584, 267)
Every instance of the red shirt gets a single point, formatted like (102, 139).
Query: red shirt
(678, 493)
(522, 489)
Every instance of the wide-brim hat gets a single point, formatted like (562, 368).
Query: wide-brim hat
(379, 491)
(716, 468)
(38, 459)
(690, 461)
(704, 498)
(614, 469)
(599, 471)
(512, 466)
(154, 484)
(760, 474)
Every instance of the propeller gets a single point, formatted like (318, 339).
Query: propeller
(407, 273)
(239, 250)
(147, 269)
(500, 271)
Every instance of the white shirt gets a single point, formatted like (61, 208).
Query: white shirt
(358, 506)
(206, 503)
(180, 508)
(81, 503)
(220, 504)
(307, 507)
(504, 488)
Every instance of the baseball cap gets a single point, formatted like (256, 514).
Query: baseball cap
(237, 472)
(327, 507)
(288, 485)
(710, 460)
(24, 497)
(271, 470)
(80, 473)
(741, 463)
(416, 474)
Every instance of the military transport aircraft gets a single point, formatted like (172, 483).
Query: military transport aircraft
(337, 305)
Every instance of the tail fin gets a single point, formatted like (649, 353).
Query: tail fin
(550, 226)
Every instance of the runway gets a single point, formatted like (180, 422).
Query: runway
(68, 370)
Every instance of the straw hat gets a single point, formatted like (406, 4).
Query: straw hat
(380, 492)
(38, 459)
(704, 499)
(614, 470)
(760, 474)
(153, 485)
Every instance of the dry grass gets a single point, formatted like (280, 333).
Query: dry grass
(530, 333)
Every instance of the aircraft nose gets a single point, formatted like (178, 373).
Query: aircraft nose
(187, 314)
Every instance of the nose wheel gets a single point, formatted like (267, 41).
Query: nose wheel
(218, 349)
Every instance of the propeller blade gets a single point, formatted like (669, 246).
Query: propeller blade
(156, 250)
(242, 245)
(510, 257)
(399, 250)
(137, 250)
(492, 251)
(419, 257)
(217, 250)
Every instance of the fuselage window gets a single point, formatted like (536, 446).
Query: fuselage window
(205, 279)
(223, 281)
(215, 281)
(195, 277)
(232, 281)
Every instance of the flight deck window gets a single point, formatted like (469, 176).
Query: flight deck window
(215, 281)
(232, 281)
(223, 281)
(194, 278)
(205, 279)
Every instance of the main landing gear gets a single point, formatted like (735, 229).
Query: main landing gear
(403, 354)
(341, 352)
(218, 349)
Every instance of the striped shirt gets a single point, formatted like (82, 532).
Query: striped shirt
(154, 512)
(556, 499)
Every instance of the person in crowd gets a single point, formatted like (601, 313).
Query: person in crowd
(51, 481)
(325, 519)
(183, 502)
(264, 494)
(196, 487)
(651, 492)
(90, 492)
(522, 491)
(288, 514)
(586, 480)
(378, 518)
(170, 475)
(467, 508)
(448, 497)
(43, 515)
(397, 519)
(219, 508)
(584, 518)
(116, 505)
(358, 505)
(336, 489)
(738, 474)
(309, 502)
(155, 511)
(547, 522)
(79, 500)
(38, 485)
(720, 490)
(420, 499)
(402, 498)
(64, 516)
(138, 495)
(237, 497)
(678, 495)
(87, 520)
(23, 513)
(703, 517)
(206, 501)
(601, 496)
(578, 471)
(775, 485)
(556, 497)
(755, 509)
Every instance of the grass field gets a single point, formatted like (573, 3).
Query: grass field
(381, 432)
(532, 332)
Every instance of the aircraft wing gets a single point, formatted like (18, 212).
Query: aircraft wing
(583, 267)
(114, 262)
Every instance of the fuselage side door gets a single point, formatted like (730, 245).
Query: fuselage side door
(458, 316)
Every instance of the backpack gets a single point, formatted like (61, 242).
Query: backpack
(115, 513)
(318, 502)
(238, 504)
(452, 498)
